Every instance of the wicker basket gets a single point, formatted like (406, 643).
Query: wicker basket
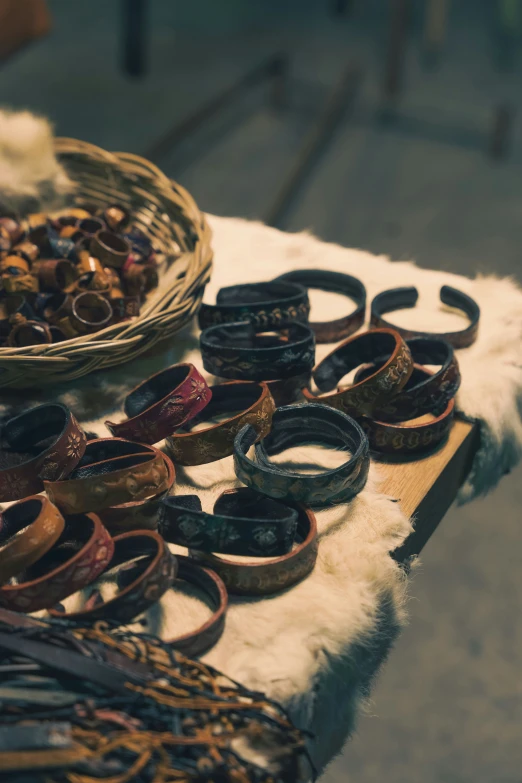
(169, 215)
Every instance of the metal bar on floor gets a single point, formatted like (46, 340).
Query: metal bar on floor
(337, 103)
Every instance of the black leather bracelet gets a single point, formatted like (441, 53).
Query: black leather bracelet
(264, 304)
(336, 283)
(297, 425)
(243, 523)
(401, 298)
(240, 351)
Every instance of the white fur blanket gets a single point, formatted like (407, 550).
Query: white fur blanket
(317, 647)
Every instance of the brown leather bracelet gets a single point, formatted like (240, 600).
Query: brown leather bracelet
(264, 577)
(141, 584)
(256, 407)
(197, 642)
(110, 248)
(286, 391)
(59, 573)
(15, 262)
(162, 403)
(113, 471)
(29, 333)
(28, 530)
(90, 313)
(27, 458)
(56, 275)
(375, 390)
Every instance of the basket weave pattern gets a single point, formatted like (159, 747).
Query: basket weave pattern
(169, 215)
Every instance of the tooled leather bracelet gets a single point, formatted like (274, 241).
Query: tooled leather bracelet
(114, 471)
(265, 577)
(80, 555)
(250, 403)
(240, 351)
(401, 298)
(286, 391)
(45, 442)
(140, 584)
(163, 402)
(197, 642)
(297, 425)
(336, 283)
(374, 391)
(243, 523)
(422, 393)
(28, 529)
(263, 304)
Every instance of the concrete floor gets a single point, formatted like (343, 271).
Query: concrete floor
(448, 706)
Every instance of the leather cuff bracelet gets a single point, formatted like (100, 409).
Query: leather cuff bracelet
(203, 638)
(401, 298)
(28, 530)
(79, 557)
(286, 391)
(242, 352)
(243, 523)
(264, 577)
(90, 313)
(271, 304)
(150, 571)
(422, 393)
(297, 425)
(374, 391)
(162, 403)
(10, 308)
(336, 283)
(29, 333)
(109, 248)
(46, 442)
(104, 479)
(255, 406)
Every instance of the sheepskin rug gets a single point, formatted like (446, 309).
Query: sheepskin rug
(316, 647)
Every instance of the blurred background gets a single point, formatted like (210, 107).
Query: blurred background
(390, 125)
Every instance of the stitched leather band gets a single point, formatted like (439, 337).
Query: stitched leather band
(197, 642)
(80, 555)
(113, 471)
(297, 425)
(374, 391)
(263, 304)
(241, 352)
(400, 298)
(28, 530)
(255, 406)
(45, 442)
(422, 393)
(163, 402)
(243, 523)
(336, 283)
(150, 572)
(264, 577)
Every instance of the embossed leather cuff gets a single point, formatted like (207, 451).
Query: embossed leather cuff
(272, 304)
(264, 577)
(150, 571)
(45, 442)
(112, 472)
(162, 403)
(401, 298)
(297, 425)
(28, 530)
(243, 523)
(374, 391)
(250, 402)
(242, 352)
(80, 555)
(336, 283)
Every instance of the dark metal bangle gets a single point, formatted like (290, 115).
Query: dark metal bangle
(297, 425)
(162, 403)
(250, 403)
(423, 393)
(401, 298)
(337, 283)
(374, 391)
(241, 352)
(243, 523)
(270, 304)
(265, 577)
